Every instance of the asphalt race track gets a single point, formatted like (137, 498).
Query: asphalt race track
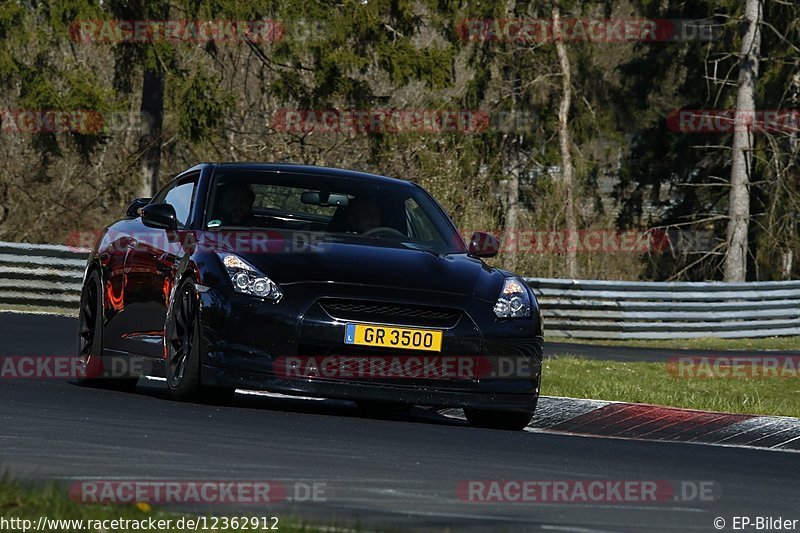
(400, 473)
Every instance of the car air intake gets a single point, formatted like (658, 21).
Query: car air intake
(391, 313)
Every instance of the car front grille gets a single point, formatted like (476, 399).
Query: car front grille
(391, 313)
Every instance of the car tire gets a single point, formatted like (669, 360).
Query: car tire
(509, 420)
(183, 342)
(90, 340)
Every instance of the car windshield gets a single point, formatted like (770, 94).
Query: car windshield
(332, 208)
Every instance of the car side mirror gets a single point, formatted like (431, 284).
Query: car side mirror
(136, 205)
(483, 245)
(160, 216)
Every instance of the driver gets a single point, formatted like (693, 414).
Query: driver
(364, 215)
(237, 205)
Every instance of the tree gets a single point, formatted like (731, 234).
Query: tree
(739, 196)
(152, 111)
(565, 145)
(150, 58)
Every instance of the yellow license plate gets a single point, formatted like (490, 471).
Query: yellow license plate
(392, 337)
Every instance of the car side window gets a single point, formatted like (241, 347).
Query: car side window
(180, 197)
(419, 224)
(179, 194)
(158, 198)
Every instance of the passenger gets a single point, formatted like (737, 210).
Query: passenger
(364, 215)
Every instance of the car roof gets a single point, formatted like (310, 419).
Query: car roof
(310, 169)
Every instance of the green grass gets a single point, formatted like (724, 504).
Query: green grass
(23, 501)
(703, 343)
(652, 383)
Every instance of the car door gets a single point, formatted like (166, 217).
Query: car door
(151, 266)
(112, 252)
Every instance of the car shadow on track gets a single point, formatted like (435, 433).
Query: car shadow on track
(314, 406)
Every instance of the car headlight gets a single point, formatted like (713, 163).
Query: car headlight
(246, 279)
(514, 300)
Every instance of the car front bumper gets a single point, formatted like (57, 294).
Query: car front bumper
(244, 337)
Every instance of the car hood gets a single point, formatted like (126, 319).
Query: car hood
(387, 266)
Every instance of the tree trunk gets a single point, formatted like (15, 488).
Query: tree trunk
(512, 182)
(152, 128)
(513, 161)
(565, 143)
(152, 109)
(739, 195)
(512, 203)
(787, 258)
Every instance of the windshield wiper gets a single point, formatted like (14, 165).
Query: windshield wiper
(415, 246)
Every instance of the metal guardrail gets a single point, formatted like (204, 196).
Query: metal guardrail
(41, 275)
(586, 309)
(49, 277)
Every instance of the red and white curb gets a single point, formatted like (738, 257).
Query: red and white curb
(601, 418)
(622, 420)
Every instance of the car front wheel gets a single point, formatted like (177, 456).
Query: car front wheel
(182, 334)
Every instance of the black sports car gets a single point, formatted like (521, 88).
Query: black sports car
(310, 281)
